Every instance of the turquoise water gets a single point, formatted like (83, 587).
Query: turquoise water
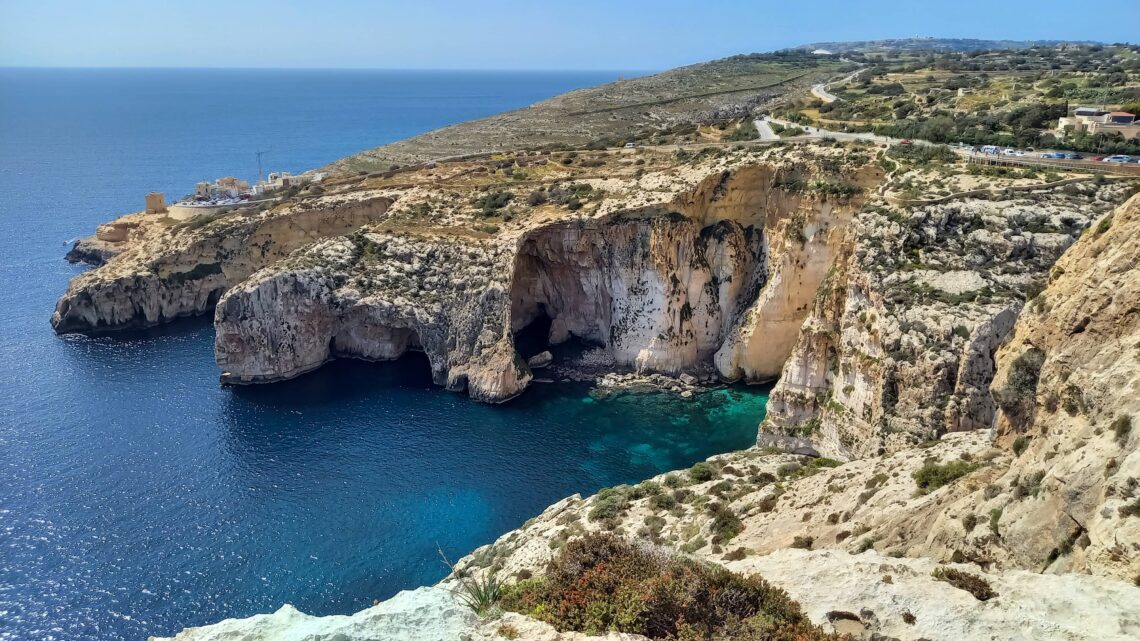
(137, 496)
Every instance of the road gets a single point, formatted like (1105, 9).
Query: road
(820, 91)
(763, 124)
(765, 129)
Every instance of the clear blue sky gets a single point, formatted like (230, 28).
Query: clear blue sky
(502, 34)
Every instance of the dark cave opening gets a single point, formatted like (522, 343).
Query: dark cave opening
(534, 338)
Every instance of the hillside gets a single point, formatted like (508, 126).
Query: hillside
(932, 44)
(660, 108)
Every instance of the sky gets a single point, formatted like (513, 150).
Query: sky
(504, 34)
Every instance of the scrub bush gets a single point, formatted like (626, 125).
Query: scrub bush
(602, 583)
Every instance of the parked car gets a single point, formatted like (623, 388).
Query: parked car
(1097, 158)
(905, 141)
(991, 149)
(1072, 156)
(1118, 158)
(1054, 155)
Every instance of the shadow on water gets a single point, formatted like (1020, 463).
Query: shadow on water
(340, 380)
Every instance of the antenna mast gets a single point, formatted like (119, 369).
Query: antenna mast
(260, 176)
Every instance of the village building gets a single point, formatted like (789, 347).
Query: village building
(1093, 120)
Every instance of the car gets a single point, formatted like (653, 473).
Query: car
(990, 149)
(1097, 158)
(1053, 154)
(1072, 156)
(1118, 158)
(905, 141)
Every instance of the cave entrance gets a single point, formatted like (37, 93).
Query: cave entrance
(534, 337)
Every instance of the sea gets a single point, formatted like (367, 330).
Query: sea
(138, 496)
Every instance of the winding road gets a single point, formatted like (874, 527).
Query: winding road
(820, 91)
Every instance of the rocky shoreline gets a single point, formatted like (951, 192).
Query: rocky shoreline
(944, 398)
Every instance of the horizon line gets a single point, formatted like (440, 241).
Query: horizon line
(208, 68)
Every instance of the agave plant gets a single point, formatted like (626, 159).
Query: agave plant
(478, 593)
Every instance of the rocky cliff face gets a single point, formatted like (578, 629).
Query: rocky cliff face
(375, 296)
(1068, 394)
(166, 269)
(662, 287)
(899, 343)
(645, 284)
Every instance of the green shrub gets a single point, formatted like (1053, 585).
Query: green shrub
(702, 472)
(644, 489)
(746, 131)
(1017, 396)
(493, 201)
(995, 518)
(662, 501)
(609, 503)
(971, 583)
(725, 523)
(932, 476)
(601, 583)
(736, 555)
(1020, 444)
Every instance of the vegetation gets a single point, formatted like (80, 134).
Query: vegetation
(1008, 98)
(601, 583)
(201, 270)
(803, 542)
(492, 202)
(701, 472)
(609, 503)
(971, 583)
(1017, 396)
(932, 476)
(1020, 444)
(746, 131)
(725, 523)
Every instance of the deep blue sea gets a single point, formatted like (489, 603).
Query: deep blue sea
(137, 496)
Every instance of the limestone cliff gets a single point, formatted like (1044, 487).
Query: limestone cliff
(1068, 394)
(161, 269)
(663, 287)
(899, 343)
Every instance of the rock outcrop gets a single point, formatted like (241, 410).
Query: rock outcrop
(662, 287)
(899, 343)
(168, 269)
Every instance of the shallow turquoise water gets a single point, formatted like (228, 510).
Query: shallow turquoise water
(137, 496)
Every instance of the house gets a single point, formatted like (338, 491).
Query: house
(1089, 114)
(228, 187)
(1092, 120)
(1120, 118)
